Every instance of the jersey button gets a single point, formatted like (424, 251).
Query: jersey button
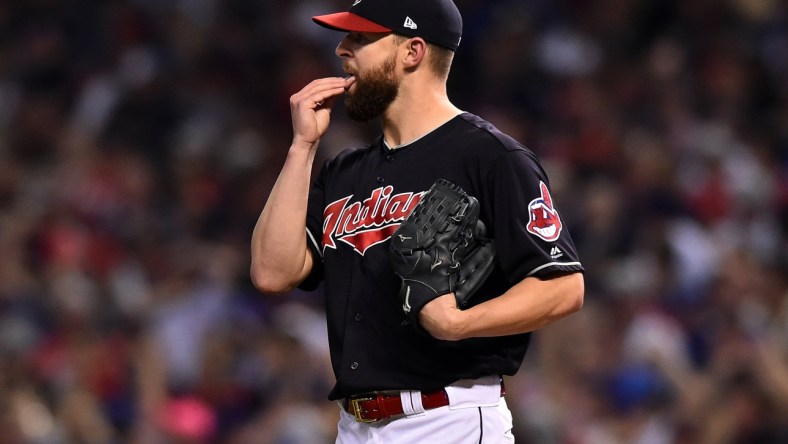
(390, 158)
(381, 179)
(357, 317)
(354, 365)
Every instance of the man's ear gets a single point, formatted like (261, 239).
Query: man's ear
(414, 50)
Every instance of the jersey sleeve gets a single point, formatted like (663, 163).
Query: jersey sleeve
(531, 239)
(314, 231)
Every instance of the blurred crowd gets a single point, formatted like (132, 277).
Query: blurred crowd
(139, 140)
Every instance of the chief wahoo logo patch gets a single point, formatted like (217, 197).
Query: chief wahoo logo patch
(544, 221)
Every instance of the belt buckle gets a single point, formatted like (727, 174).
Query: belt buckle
(358, 412)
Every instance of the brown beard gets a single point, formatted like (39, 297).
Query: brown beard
(373, 92)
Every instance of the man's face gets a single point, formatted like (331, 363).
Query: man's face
(373, 91)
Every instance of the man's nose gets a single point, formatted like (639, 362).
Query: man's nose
(342, 49)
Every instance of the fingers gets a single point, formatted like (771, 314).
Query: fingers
(318, 93)
(310, 108)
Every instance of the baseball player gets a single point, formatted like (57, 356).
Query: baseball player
(406, 375)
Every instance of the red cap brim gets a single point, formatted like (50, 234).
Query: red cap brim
(346, 21)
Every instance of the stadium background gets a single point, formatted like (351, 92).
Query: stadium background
(140, 138)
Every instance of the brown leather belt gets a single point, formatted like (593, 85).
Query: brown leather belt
(375, 407)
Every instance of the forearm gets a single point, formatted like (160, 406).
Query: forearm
(527, 306)
(280, 258)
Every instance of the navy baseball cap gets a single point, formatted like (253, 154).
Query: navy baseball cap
(436, 21)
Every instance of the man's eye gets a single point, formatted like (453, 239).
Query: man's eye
(357, 38)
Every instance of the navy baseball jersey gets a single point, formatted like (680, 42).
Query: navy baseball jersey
(357, 202)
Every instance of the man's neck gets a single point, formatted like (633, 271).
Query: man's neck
(412, 115)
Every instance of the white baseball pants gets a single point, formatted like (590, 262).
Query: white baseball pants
(476, 414)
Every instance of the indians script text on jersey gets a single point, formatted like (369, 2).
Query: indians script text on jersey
(362, 224)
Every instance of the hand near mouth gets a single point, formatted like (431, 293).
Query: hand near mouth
(310, 108)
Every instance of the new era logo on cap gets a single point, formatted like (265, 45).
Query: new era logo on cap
(436, 21)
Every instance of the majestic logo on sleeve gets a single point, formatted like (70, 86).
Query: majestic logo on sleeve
(364, 224)
(544, 221)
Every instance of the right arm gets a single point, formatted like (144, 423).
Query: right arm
(280, 256)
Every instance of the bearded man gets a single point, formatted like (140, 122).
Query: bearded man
(396, 383)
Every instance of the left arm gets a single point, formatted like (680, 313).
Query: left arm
(529, 305)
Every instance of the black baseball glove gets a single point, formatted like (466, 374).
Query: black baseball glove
(440, 248)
